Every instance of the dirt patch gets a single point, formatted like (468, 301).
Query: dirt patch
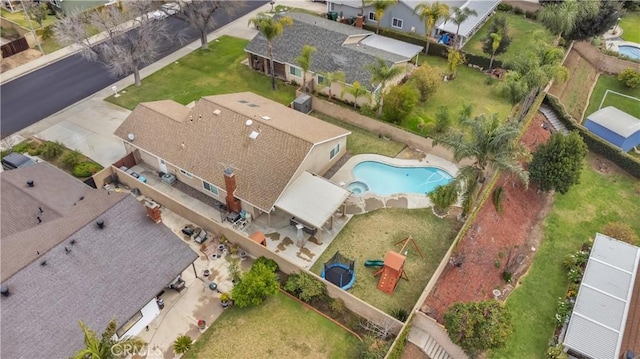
(18, 59)
(285, 243)
(495, 242)
(574, 93)
(411, 351)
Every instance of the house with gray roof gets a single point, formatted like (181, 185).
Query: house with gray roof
(243, 151)
(59, 266)
(402, 16)
(340, 47)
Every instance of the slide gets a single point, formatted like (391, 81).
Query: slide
(373, 263)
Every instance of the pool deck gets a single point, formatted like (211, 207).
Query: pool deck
(613, 40)
(370, 201)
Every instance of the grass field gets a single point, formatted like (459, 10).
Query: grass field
(19, 18)
(575, 218)
(371, 235)
(280, 328)
(203, 73)
(609, 82)
(630, 28)
(520, 29)
(362, 141)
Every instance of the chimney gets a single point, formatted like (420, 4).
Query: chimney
(153, 211)
(30, 183)
(100, 223)
(230, 186)
(359, 21)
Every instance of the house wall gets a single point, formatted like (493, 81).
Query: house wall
(149, 312)
(400, 10)
(605, 133)
(318, 161)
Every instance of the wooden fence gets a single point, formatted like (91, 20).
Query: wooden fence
(14, 47)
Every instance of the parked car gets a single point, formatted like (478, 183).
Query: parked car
(171, 8)
(16, 160)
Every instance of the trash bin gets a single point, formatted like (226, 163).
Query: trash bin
(332, 15)
(160, 302)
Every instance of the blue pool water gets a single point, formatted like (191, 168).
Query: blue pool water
(384, 179)
(629, 51)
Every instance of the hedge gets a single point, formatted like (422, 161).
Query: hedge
(595, 143)
(435, 49)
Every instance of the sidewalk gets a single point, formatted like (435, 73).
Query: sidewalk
(88, 125)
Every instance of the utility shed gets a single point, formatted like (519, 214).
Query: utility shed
(616, 127)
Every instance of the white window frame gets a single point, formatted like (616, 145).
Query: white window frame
(292, 71)
(212, 188)
(334, 152)
(372, 16)
(320, 79)
(395, 19)
(186, 174)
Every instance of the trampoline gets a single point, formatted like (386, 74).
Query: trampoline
(340, 270)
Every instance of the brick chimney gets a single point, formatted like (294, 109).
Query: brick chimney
(153, 211)
(359, 21)
(230, 185)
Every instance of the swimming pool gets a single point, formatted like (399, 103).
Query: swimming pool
(384, 179)
(629, 51)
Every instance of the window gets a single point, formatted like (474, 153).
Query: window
(372, 16)
(334, 151)
(295, 71)
(320, 79)
(209, 187)
(397, 23)
(186, 174)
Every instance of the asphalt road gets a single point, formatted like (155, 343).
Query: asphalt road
(39, 94)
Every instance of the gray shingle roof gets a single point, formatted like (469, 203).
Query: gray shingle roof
(109, 273)
(327, 37)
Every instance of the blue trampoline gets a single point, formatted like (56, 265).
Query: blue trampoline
(340, 270)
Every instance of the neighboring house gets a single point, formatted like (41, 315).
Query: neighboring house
(402, 17)
(243, 150)
(616, 127)
(71, 6)
(339, 47)
(59, 266)
(605, 323)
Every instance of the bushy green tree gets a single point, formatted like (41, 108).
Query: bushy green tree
(630, 78)
(598, 22)
(399, 103)
(254, 287)
(305, 286)
(499, 27)
(426, 80)
(270, 263)
(478, 326)
(381, 74)
(50, 150)
(556, 165)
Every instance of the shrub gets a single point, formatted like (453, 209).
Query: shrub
(182, 344)
(575, 274)
(337, 306)
(258, 283)
(563, 310)
(489, 81)
(517, 10)
(497, 197)
(400, 313)
(305, 286)
(85, 169)
(71, 158)
(426, 80)
(10, 33)
(506, 276)
(498, 26)
(569, 261)
(50, 150)
(621, 231)
(630, 78)
(270, 263)
(443, 120)
(443, 197)
(24, 146)
(399, 103)
(531, 14)
(504, 7)
(556, 352)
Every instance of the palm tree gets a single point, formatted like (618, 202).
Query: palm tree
(182, 344)
(271, 28)
(304, 60)
(356, 90)
(381, 74)
(495, 44)
(105, 347)
(380, 6)
(430, 13)
(490, 143)
(561, 18)
(329, 78)
(461, 15)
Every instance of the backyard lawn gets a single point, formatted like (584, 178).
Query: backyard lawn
(600, 198)
(203, 73)
(630, 28)
(609, 82)
(280, 328)
(520, 30)
(19, 18)
(371, 235)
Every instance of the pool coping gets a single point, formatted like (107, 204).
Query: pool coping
(613, 45)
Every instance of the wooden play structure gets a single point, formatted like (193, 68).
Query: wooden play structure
(393, 268)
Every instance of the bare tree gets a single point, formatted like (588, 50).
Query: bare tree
(381, 328)
(37, 12)
(122, 51)
(199, 14)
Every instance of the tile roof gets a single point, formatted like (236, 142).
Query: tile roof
(64, 212)
(109, 273)
(263, 166)
(328, 38)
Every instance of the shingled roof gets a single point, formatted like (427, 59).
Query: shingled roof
(215, 134)
(328, 37)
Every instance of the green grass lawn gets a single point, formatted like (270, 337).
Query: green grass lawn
(371, 235)
(280, 328)
(362, 141)
(203, 73)
(609, 82)
(19, 18)
(520, 30)
(469, 87)
(575, 218)
(630, 26)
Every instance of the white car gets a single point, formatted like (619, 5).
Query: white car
(170, 8)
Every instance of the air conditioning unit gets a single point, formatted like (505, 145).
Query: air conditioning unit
(302, 104)
(168, 178)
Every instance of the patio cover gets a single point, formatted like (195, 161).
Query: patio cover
(599, 316)
(473, 22)
(312, 199)
(393, 46)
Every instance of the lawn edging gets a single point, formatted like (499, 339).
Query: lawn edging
(319, 312)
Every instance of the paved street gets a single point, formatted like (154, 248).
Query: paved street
(41, 93)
